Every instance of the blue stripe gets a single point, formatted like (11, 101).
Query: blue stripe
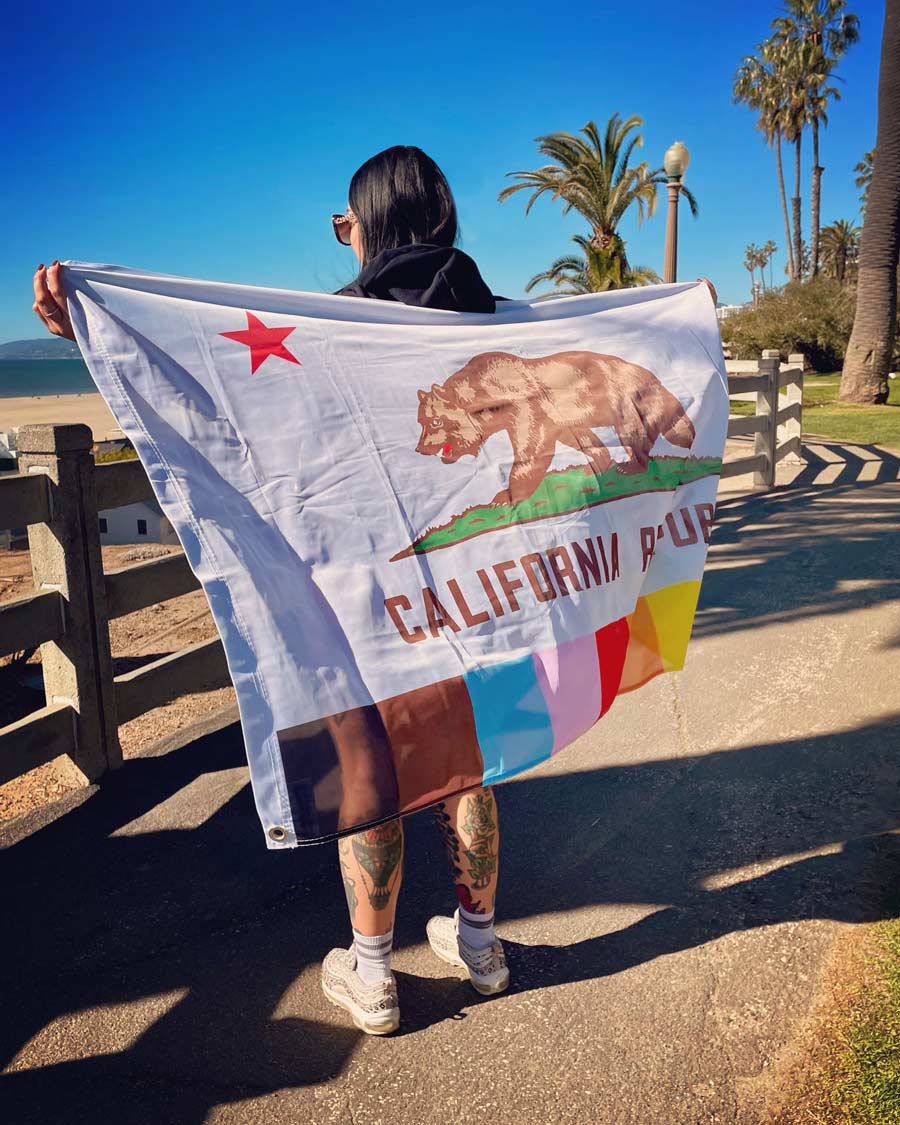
(511, 717)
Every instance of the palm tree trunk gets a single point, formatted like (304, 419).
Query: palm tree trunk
(784, 209)
(815, 198)
(866, 365)
(795, 203)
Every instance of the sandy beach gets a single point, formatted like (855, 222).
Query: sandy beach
(87, 408)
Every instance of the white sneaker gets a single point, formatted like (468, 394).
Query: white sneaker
(374, 1007)
(486, 967)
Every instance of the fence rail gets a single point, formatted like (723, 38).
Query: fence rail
(58, 494)
(776, 428)
(136, 587)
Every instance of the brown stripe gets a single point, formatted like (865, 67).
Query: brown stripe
(432, 736)
(339, 773)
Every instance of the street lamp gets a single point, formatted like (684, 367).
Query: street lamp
(675, 163)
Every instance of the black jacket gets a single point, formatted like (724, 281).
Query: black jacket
(433, 277)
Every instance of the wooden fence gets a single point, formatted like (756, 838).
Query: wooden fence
(777, 422)
(58, 493)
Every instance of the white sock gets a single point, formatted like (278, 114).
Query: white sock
(476, 930)
(373, 956)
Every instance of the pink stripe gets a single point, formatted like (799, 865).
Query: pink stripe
(569, 676)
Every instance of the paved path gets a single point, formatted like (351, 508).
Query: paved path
(672, 885)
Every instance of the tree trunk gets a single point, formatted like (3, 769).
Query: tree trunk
(815, 198)
(868, 358)
(784, 209)
(795, 203)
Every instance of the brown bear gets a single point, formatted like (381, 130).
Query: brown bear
(539, 402)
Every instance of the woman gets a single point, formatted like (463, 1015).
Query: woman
(401, 223)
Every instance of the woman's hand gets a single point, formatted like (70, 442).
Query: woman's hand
(50, 300)
(712, 289)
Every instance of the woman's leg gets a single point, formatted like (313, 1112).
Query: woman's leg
(372, 869)
(468, 824)
(368, 778)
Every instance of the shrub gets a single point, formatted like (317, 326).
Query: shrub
(126, 454)
(814, 317)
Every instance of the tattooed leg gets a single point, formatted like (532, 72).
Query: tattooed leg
(345, 855)
(445, 825)
(468, 825)
(372, 869)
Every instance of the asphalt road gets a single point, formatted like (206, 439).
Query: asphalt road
(672, 885)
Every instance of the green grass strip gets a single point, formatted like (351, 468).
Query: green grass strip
(869, 1093)
(854, 1076)
(563, 491)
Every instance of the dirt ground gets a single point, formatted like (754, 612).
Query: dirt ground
(135, 639)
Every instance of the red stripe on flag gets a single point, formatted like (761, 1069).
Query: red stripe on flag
(612, 644)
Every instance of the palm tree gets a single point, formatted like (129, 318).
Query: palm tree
(790, 61)
(591, 175)
(768, 252)
(816, 114)
(840, 246)
(596, 270)
(751, 262)
(817, 33)
(867, 362)
(864, 176)
(758, 86)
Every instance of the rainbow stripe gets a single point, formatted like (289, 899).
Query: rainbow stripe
(482, 727)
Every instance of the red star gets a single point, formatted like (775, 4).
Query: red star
(262, 342)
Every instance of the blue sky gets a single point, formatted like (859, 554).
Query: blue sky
(214, 140)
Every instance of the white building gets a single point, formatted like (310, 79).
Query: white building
(7, 450)
(10, 538)
(723, 312)
(136, 523)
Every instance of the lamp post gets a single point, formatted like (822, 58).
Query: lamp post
(675, 163)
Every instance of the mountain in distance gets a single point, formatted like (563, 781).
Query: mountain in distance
(51, 347)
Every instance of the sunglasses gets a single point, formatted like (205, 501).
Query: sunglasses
(342, 225)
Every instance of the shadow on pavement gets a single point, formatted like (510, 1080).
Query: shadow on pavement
(188, 942)
(206, 915)
(810, 548)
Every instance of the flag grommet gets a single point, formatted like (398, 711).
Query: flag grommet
(277, 833)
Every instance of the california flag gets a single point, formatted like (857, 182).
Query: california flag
(437, 545)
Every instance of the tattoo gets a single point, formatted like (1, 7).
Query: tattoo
(378, 852)
(481, 828)
(349, 881)
(465, 900)
(451, 840)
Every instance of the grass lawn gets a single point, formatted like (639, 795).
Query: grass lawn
(823, 414)
(855, 1078)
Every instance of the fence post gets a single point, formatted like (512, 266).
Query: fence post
(767, 407)
(793, 427)
(65, 556)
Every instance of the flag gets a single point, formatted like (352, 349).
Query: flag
(436, 545)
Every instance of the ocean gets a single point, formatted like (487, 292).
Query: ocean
(20, 378)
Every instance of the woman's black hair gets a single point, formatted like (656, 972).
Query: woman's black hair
(400, 196)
